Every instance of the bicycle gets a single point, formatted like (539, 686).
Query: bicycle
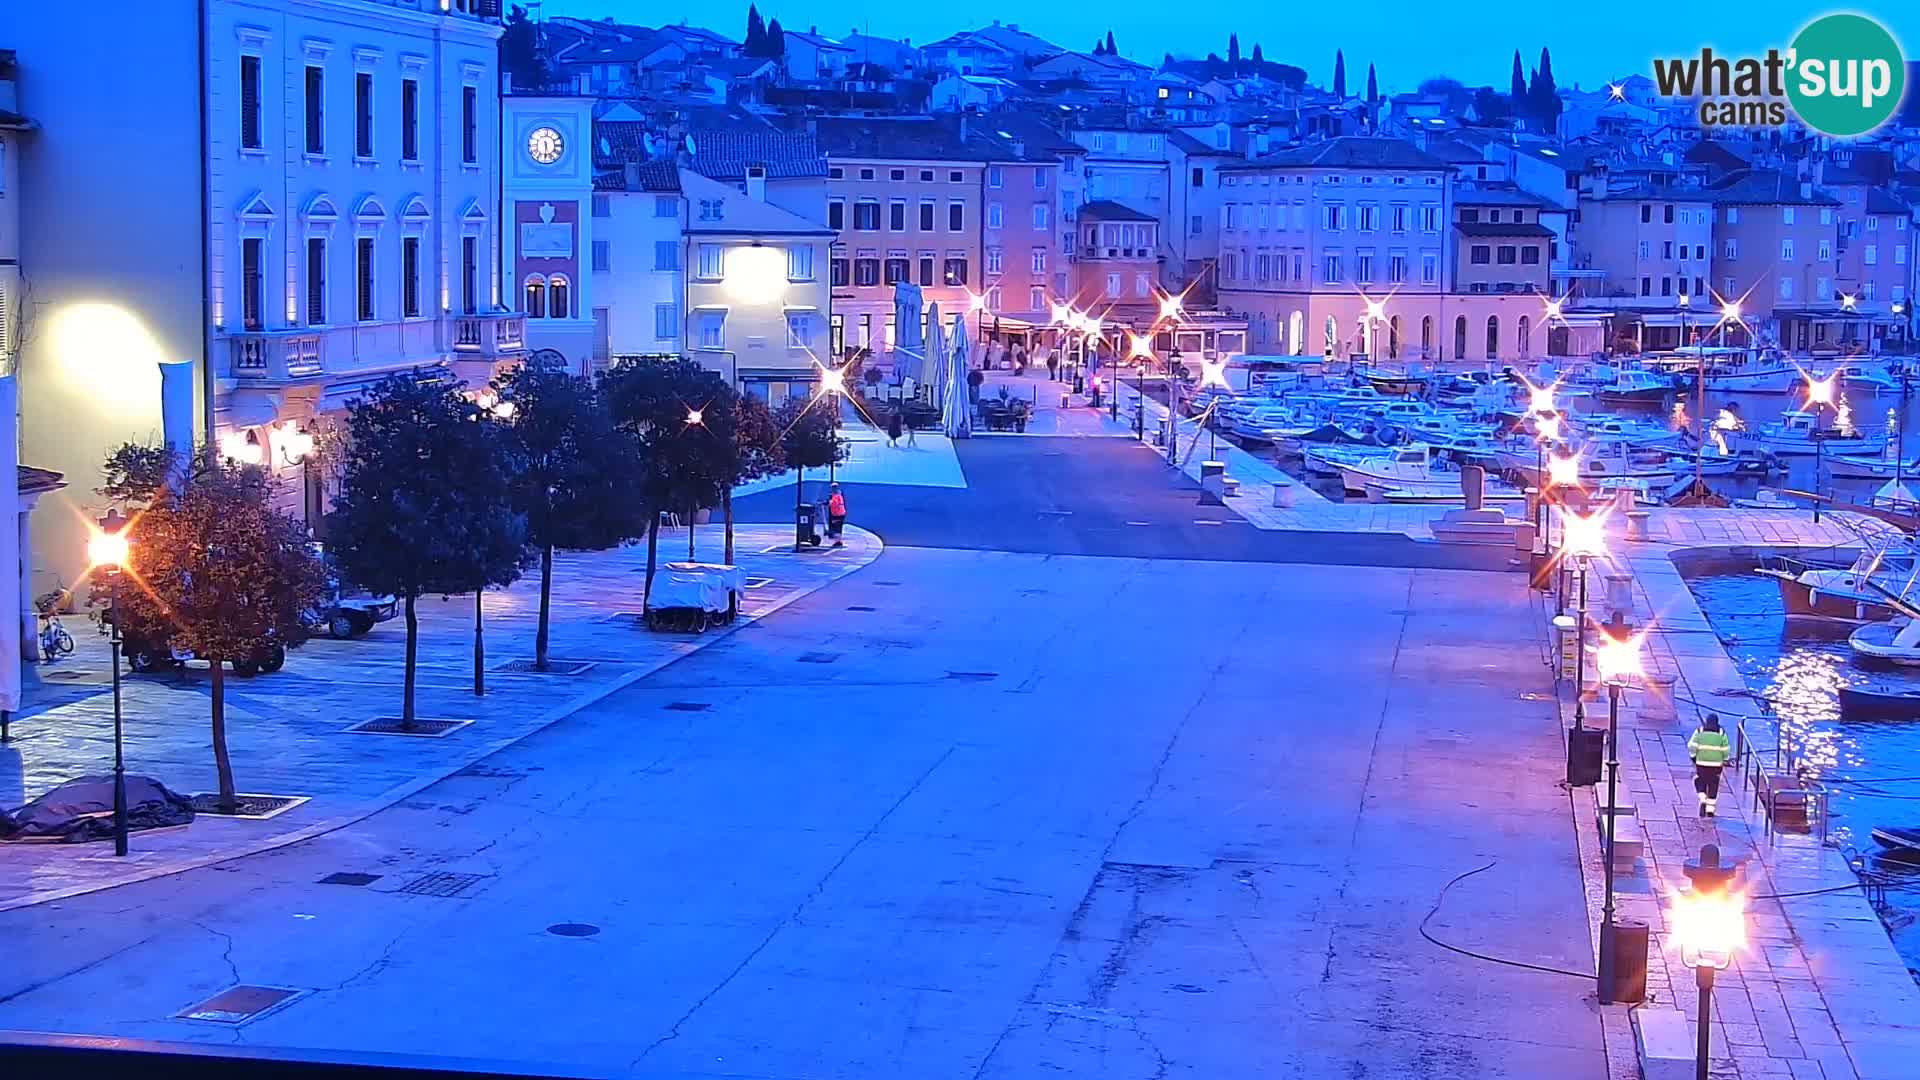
(55, 642)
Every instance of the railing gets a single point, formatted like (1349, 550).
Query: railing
(492, 334)
(276, 355)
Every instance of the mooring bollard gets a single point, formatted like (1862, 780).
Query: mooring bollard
(1636, 524)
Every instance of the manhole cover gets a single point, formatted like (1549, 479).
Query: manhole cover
(348, 877)
(886, 583)
(239, 1004)
(861, 607)
(420, 728)
(573, 929)
(554, 667)
(255, 807)
(442, 883)
(689, 706)
(819, 657)
(972, 676)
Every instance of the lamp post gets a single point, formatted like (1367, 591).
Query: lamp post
(296, 448)
(1173, 406)
(833, 382)
(1819, 399)
(1699, 402)
(107, 550)
(1619, 662)
(1584, 538)
(1375, 309)
(1709, 926)
(1562, 471)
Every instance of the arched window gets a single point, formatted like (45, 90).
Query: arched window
(1426, 337)
(1296, 329)
(1332, 344)
(536, 296)
(1459, 337)
(1362, 337)
(1493, 337)
(1526, 337)
(557, 297)
(1393, 338)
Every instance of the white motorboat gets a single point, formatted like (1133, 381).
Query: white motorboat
(1253, 424)
(1884, 466)
(1616, 457)
(1896, 641)
(1799, 433)
(1410, 468)
(1857, 592)
(1634, 384)
(1393, 496)
(1877, 381)
(1742, 373)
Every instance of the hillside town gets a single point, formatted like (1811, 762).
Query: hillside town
(547, 545)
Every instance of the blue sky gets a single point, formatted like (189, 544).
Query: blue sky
(1473, 42)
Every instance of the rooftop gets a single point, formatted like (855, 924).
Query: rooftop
(1108, 210)
(726, 154)
(1348, 152)
(1502, 228)
(1767, 187)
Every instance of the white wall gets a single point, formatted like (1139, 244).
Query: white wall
(634, 285)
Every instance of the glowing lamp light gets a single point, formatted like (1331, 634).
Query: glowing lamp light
(1138, 346)
(1548, 427)
(295, 445)
(1563, 472)
(1686, 301)
(1585, 536)
(240, 446)
(1618, 658)
(1170, 307)
(755, 275)
(107, 548)
(832, 381)
(1540, 399)
(1820, 391)
(1847, 301)
(1213, 372)
(976, 303)
(693, 417)
(1376, 309)
(1091, 326)
(1709, 926)
(1730, 310)
(1060, 313)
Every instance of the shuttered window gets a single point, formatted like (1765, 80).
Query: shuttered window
(410, 119)
(250, 286)
(363, 114)
(410, 276)
(250, 102)
(316, 281)
(316, 112)
(363, 277)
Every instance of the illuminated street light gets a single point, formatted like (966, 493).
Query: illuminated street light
(1820, 391)
(755, 274)
(976, 303)
(1563, 471)
(296, 446)
(1540, 399)
(1847, 301)
(832, 381)
(242, 447)
(1213, 372)
(1138, 346)
(1170, 306)
(693, 417)
(1710, 926)
(108, 550)
(1730, 310)
(1547, 427)
(1584, 536)
(1618, 659)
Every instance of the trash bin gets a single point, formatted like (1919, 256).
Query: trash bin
(806, 526)
(1623, 970)
(1586, 746)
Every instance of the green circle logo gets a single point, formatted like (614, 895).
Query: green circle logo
(1845, 75)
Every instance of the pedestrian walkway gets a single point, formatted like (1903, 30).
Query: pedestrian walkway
(1819, 991)
(287, 731)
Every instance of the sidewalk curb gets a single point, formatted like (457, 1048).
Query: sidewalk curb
(401, 791)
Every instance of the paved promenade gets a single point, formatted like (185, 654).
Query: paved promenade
(1820, 991)
(287, 731)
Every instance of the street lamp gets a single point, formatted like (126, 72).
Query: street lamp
(1710, 927)
(1618, 659)
(296, 448)
(1562, 471)
(833, 383)
(1584, 537)
(1820, 397)
(1376, 309)
(107, 550)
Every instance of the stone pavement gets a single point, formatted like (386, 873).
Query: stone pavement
(286, 731)
(1819, 991)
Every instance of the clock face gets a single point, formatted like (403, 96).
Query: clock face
(544, 145)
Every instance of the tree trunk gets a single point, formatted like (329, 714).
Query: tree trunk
(413, 647)
(653, 549)
(799, 487)
(726, 509)
(546, 603)
(693, 510)
(479, 646)
(221, 762)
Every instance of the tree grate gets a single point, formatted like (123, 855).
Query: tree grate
(239, 1004)
(819, 657)
(422, 727)
(443, 883)
(349, 877)
(245, 805)
(689, 706)
(861, 607)
(554, 667)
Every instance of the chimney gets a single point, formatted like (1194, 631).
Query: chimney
(757, 183)
(1806, 189)
(1020, 148)
(633, 177)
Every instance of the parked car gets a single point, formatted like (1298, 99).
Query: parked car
(148, 650)
(347, 610)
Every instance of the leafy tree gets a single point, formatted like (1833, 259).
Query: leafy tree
(686, 462)
(520, 54)
(1339, 74)
(1111, 51)
(426, 501)
(1491, 107)
(574, 468)
(1257, 58)
(1519, 91)
(1233, 49)
(1543, 96)
(810, 439)
(220, 572)
(776, 41)
(758, 452)
(756, 43)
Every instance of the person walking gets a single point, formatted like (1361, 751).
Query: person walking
(1709, 750)
(893, 427)
(908, 431)
(1053, 366)
(836, 514)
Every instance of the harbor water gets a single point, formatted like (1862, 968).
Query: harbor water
(1796, 668)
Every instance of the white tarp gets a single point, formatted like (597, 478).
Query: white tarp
(696, 585)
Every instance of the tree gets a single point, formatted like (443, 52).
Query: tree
(1339, 74)
(810, 439)
(776, 41)
(686, 458)
(221, 573)
(1490, 107)
(1373, 99)
(756, 43)
(574, 467)
(1257, 58)
(426, 501)
(520, 54)
(1519, 91)
(1111, 51)
(1233, 49)
(1544, 96)
(757, 449)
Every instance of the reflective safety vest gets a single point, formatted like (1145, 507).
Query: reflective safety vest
(1709, 747)
(837, 505)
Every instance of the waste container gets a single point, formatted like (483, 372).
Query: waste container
(806, 525)
(1586, 746)
(1623, 969)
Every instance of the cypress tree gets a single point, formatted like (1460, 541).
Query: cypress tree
(1339, 74)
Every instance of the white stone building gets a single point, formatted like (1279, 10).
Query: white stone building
(313, 209)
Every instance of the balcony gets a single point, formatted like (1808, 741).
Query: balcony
(490, 336)
(275, 355)
(1096, 251)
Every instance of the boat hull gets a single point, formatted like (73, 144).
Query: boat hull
(1804, 601)
(1875, 641)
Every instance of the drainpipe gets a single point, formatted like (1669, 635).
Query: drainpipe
(206, 242)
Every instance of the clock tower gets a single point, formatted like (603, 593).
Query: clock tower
(547, 180)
